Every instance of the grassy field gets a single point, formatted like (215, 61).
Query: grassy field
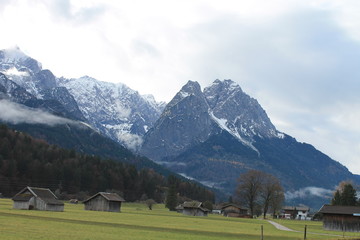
(137, 222)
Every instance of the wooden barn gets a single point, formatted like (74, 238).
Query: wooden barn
(341, 218)
(103, 201)
(31, 198)
(233, 210)
(192, 208)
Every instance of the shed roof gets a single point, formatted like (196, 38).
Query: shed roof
(343, 210)
(113, 197)
(44, 194)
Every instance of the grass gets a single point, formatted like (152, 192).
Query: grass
(137, 222)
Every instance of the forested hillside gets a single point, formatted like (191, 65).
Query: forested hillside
(25, 161)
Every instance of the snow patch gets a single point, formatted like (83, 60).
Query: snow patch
(222, 124)
(280, 135)
(14, 72)
(184, 94)
(146, 128)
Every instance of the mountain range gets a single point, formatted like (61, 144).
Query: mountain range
(211, 135)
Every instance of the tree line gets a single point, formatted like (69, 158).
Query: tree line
(26, 161)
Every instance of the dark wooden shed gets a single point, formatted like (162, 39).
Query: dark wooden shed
(341, 218)
(103, 201)
(38, 199)
(192, 208)
(234, 210)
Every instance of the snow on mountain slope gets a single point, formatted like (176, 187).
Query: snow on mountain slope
(192, 116)
(114, 109)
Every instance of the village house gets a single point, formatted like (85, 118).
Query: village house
(192, 208)
(341, 218)
(103, 201)
(291, 212)
(31, 198)
(233, 210)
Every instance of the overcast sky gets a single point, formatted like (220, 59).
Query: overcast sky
(299, 58)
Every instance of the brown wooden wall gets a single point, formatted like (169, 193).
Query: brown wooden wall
(345, 223)
(99, 203)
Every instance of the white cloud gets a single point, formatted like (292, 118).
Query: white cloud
(15, 113)
(308, 192)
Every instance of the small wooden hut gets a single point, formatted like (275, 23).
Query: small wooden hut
(192, 208)
(233, 210)
(31, 198)
(103, 201)
(341, 218)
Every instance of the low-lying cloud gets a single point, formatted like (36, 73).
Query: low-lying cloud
(15, 113)
(309, 192)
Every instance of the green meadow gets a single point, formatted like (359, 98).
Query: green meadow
(137, 222)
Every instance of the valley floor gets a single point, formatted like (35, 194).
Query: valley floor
(137, 222)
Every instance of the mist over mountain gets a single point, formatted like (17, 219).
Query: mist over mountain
(114, 110)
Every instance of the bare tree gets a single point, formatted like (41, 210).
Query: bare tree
(249, 189)
(258, 189)
(272, 193)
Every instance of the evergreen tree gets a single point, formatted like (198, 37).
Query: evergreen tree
(345, 195)
(348, 197)
(171, 198)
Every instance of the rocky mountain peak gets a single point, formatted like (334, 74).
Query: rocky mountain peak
(192, 116)
(14, 58)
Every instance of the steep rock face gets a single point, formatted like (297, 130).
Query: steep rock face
(185, 122)
(36, 85)
(244, 116)
(193, 116)
(114, 109)
(13, 91)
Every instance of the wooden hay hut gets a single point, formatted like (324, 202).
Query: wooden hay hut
(192, 208)
(31, 198)
(341, 218)
(103, 201)
(233, 210)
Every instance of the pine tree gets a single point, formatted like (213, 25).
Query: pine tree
(348, 197)
(171, 198)
(345, 195)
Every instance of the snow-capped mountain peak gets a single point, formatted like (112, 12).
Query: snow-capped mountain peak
(192, 116)
(114, 109)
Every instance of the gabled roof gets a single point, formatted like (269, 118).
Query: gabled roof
(344, 210)
(192, 204)
(233, 205)
(113, 197)
(44, 194)
(293, 208)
